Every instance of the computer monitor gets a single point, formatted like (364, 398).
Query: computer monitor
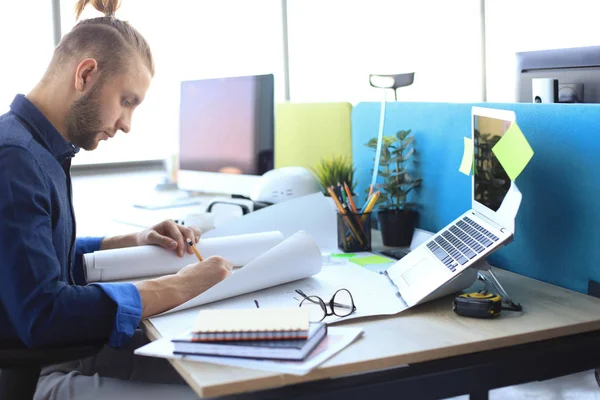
(226, 133)
(576, 69)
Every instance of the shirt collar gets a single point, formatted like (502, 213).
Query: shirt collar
(43, 129)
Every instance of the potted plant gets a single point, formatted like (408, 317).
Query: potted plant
(397, 217)
(334, 170)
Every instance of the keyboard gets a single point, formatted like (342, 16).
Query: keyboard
(461, 242)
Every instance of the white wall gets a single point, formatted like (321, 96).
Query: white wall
(335, 45)
(26, 43)
(525, 25)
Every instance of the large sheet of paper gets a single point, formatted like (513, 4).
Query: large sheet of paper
(373, 293)
(337, 339)
(295, 258)
(143, 261)
(314, 214)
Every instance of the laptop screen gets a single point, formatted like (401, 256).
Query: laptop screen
(491, 183)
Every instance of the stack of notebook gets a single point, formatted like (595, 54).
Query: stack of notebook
(283, 334)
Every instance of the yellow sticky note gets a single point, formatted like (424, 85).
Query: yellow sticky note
(513, 151)
(467, 161)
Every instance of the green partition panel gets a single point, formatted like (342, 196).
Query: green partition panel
(305, 133)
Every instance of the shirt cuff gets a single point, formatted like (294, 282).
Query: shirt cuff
(129, 311)
(88, 244)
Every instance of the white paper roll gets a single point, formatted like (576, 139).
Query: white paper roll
(142, 261)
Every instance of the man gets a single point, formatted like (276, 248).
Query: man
(98, 75)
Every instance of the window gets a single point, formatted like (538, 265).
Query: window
(26, 33)
(516, 25)
(334, 45)
(190, 39)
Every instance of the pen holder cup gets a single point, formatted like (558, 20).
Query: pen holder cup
(354, 232)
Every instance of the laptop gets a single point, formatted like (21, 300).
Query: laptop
(438, 262)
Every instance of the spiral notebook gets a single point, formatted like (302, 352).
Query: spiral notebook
(295, 349)
(251, 324)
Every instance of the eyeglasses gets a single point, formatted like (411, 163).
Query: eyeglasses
(341, 304)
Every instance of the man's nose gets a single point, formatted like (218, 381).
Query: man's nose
(124, 124)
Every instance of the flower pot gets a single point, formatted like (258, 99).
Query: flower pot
(397, 227)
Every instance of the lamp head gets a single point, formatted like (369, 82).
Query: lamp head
(391, 81)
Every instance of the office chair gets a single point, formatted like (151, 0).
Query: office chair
(20, 366)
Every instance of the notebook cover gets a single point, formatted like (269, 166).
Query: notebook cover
(268, 349)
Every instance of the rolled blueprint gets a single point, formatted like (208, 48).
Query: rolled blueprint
(145, 261)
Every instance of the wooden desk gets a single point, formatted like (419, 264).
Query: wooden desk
(426, 333)
(448, 355)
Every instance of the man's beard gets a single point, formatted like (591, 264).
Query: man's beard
(83, 121)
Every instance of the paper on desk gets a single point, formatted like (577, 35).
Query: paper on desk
(314, 214)
(337, 339)
(466, 166)
(373, 294)
(295, 258)
(513, 151)
(142, 261)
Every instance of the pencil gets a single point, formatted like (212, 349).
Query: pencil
(370, 205)
(342, 194)
(189, 242)
(350, 199)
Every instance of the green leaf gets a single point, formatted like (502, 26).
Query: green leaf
(388, 141)
(407, 142)
(401, 135)
(385, 155)
(372, 143)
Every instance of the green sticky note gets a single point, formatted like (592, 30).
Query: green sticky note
(467, 161)
(371, 260)
(513, 151)
(343, 255)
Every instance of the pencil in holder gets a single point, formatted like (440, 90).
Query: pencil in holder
(354, 232)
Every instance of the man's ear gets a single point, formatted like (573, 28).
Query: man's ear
(86, 74)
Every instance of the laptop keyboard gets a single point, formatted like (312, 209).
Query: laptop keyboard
(461, 242)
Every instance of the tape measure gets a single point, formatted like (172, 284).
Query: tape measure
(482, 304)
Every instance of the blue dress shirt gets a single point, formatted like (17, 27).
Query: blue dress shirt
(44, 299)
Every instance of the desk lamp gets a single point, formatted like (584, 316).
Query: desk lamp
(393, 81)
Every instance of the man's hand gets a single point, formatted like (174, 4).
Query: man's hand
(162, 294)
(169, 235)
(198, 277)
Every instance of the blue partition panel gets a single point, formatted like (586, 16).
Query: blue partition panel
(557, 237)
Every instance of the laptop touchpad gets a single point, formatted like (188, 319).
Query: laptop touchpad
(421, 272)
